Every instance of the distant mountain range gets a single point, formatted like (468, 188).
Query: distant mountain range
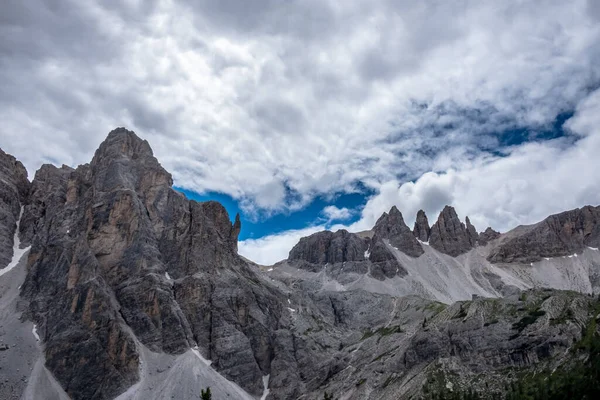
(113, 285)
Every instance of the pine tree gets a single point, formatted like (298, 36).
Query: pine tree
(205, 394)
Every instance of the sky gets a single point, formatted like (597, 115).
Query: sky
(319, 114)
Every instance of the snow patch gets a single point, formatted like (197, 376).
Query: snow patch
(266, 387)
(593, 248)
(289, 301)
(270, 269)
(197, 353)
(367, 254)
(167, 276)
(422, 242)
(291, 309)
(17, 251)
(35, 334)
(546, 258)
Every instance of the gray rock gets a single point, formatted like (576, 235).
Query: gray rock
(449, 235)
(471, 233)
(487, 236)
(391, 226)
(421, 229)
(558, 235)
(384, 264)
(115, 250)
(329, 247)
(14, 188)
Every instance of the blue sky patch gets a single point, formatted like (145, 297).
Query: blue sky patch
(309, 215)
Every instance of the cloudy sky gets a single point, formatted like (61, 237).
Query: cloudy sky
(314, 114)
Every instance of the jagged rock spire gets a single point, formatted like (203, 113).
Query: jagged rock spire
(449, 234)
(422, 229)
(391, 226)
(472, 233)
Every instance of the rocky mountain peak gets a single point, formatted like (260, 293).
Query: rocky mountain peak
(329, 247)
(122, 142)
(391, 226)
(126, 161)
(421, 229)
(488, 235)
(449, 235)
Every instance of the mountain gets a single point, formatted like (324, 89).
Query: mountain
(114, 285)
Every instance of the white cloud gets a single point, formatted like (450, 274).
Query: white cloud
(333, 213)
(276, 105)
(270, 249)
(532, 181)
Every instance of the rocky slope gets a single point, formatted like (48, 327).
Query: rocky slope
(128, 290)
(14, 188)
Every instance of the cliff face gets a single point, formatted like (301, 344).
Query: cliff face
(329, 247)
(391, 226)
(14, 188)
(115, 248)
(449, 235)
(558, 235)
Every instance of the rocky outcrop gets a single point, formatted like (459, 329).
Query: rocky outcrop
(449, 235)
(471, 233)
(421, 229)
(330, 247)
(14, 188)
(487, 236)
(116, 250)
(391, 226)
(384, 264)
(558, 235)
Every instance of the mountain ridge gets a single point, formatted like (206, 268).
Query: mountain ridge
(132, 289)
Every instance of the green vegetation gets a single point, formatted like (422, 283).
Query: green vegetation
(462, 313)
(436, 306)
(565, 315)
(576, 380)
(528, 319)
(523, 297)
(205, 394)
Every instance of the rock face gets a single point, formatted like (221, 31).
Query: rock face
(391, 226)
(471, 233)
(449, 235)
(104, 237)
(558, 235)
(329, 247)
(14, 188)
(487, 236)
(345, 251)
(422, 229)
